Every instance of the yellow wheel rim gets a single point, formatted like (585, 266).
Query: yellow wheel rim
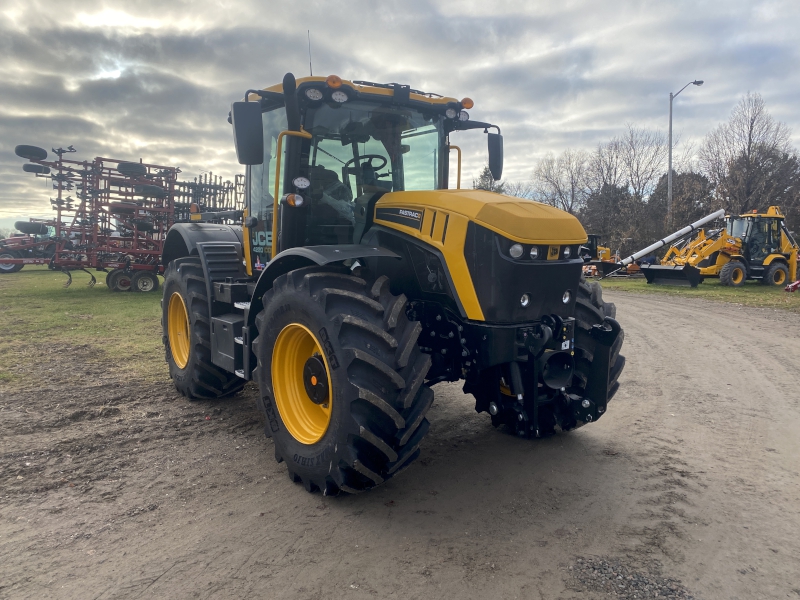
(779, 277)
(306, 420)
(178, 330)
(737, 276)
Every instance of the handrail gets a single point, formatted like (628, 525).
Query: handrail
(458, 177)
(276, 198)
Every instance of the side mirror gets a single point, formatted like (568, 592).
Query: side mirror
(248, 132)
(496, 155)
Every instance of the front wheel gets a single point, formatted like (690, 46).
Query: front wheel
(733, 274)
(9, 267)
(186, 328)
(341, 379)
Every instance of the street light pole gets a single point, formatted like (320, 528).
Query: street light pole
(669, 166)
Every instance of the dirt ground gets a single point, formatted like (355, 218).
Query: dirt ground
(690, 485)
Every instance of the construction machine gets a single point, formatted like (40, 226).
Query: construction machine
(755, 246)
(357, 280)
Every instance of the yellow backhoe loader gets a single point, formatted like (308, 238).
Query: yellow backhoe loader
(357, 280)
(753, 246)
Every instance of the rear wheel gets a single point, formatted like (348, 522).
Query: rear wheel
(186, 334)
(341, 379)
(776, 274)
(144, 281)
(733, 274)
(119, 281)
(9, 267)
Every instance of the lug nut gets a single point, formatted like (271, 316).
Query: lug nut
(493, 408)
(520, 417)
(585, 403)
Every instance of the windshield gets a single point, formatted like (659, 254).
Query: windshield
(737, 227)
(359, 149)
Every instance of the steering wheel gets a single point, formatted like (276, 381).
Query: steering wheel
(369, 162)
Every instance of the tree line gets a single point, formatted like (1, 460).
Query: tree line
(619, 190)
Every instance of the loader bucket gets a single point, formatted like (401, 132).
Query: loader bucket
(673, 275)
(607, 268)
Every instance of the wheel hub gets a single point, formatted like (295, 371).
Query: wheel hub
(315, 380)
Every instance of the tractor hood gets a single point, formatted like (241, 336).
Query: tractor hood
(521, 220)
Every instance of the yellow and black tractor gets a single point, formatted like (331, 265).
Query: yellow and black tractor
(358, 279)
(755, 246)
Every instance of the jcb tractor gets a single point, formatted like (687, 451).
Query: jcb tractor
(358, 280)
(750, 246)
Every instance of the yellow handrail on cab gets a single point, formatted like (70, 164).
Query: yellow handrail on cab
(458, 177)
(276, 198)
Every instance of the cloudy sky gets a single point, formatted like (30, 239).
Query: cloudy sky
(154, 80)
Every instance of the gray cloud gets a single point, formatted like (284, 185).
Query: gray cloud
(155, 80)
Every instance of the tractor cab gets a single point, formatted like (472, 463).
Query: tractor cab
(329, 156)
(760, 235)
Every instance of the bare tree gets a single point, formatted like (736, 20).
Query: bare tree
(606, 167)
(519, 189)
(563, 181)
(643, 154)
(737, 155)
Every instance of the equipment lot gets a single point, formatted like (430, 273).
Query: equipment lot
(114, 486)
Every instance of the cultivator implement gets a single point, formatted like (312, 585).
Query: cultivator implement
(112, 216)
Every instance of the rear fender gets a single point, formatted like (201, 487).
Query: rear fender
(775, 258)
(182, 238)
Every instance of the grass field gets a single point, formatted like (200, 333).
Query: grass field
(750, 294)
(124, 329)
(119, 328)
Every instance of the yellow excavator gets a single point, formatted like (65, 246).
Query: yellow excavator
(753, 246)
(357, 279)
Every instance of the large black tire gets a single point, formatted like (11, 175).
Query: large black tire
(31, 228)
(199, 378)
(132, 169)
(733, 274)
(8, 267)
(122, 208)
(36, 168)
(377, 373)
(151, 191)
(30, 152)
(590, 310)
(144, 281)
(776, 274)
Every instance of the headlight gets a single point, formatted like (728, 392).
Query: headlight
(515, 251)
(339, 96)
(535, 252)
(567, 252)
(301, 183)
(463, 116)
(451, 113)
(313, 94)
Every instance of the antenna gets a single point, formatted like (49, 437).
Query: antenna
(310, 70)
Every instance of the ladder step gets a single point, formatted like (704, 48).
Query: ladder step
(239, 373)
(241, 305)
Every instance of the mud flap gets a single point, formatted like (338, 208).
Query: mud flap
(673, 275)
(599, 375)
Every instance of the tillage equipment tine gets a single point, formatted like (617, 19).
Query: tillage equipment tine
(92, 281)
(69, 277)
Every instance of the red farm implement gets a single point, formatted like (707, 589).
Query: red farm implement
(112, 216)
